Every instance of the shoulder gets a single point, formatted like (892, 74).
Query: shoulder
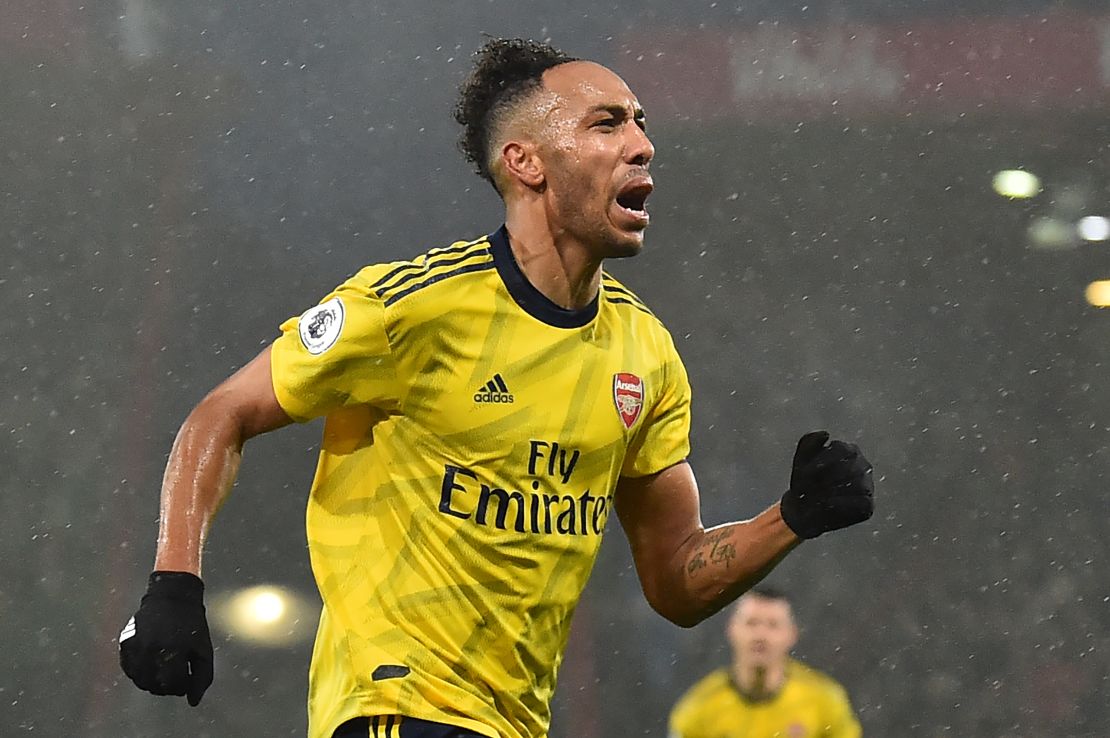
(699, 704)
(625, 300)
(636, 316)
(392, 282)
(399, 293)
(817, 682)
(704, 689)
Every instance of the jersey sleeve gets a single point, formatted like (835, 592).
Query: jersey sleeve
(336, 354)
(842, 719)
(683, 721)
(664, 436)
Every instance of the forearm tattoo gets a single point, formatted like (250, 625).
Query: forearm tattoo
(713, 549)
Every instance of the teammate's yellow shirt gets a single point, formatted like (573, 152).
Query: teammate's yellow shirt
(810, 704)
(474, 435)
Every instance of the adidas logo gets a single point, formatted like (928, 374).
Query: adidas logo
(495, 391)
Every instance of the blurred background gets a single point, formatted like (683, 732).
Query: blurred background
(879, 217)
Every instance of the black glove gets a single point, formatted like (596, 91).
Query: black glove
(165, 647)
(830, 487)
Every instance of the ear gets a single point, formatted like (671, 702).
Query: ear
(793, 640)
(521, 162)
(732, 625)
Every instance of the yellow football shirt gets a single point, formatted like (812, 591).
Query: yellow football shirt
(474, 434)
(810, 704)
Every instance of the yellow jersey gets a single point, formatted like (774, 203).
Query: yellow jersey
(474, 434)
(810, 704)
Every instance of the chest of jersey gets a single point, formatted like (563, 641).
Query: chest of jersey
(795, 713)
(527, 423)
(492, 386)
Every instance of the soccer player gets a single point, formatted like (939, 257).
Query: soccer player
(764, 692)
(487, 406)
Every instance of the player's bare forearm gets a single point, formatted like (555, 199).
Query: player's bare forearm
(718, 565)
(202, 467)
(687, 572)
(205, 460)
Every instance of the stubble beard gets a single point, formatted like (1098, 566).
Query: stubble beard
(595, 230)
(625, 248)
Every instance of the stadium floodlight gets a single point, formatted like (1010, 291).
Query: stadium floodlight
(1094, 228)
(265, 615)
(1016, 184)
(1098, 293)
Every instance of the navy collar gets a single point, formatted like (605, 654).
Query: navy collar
(524, 293)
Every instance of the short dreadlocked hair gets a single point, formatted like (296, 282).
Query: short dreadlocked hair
(769, 593)
(505, 72)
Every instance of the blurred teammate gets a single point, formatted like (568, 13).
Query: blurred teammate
(764, 693)
(487, 406)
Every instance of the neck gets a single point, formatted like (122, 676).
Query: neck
(759, 682)
(557, 264)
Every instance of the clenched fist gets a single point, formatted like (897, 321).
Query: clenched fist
(830, 487)
(165, 647)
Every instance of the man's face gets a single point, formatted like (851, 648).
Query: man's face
(596, 157)
(762, 631)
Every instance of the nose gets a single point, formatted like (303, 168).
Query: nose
(639, 150)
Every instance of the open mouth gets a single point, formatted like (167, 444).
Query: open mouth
(633, 197)
(631, 202)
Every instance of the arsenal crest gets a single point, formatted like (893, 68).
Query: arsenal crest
(628, 394)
